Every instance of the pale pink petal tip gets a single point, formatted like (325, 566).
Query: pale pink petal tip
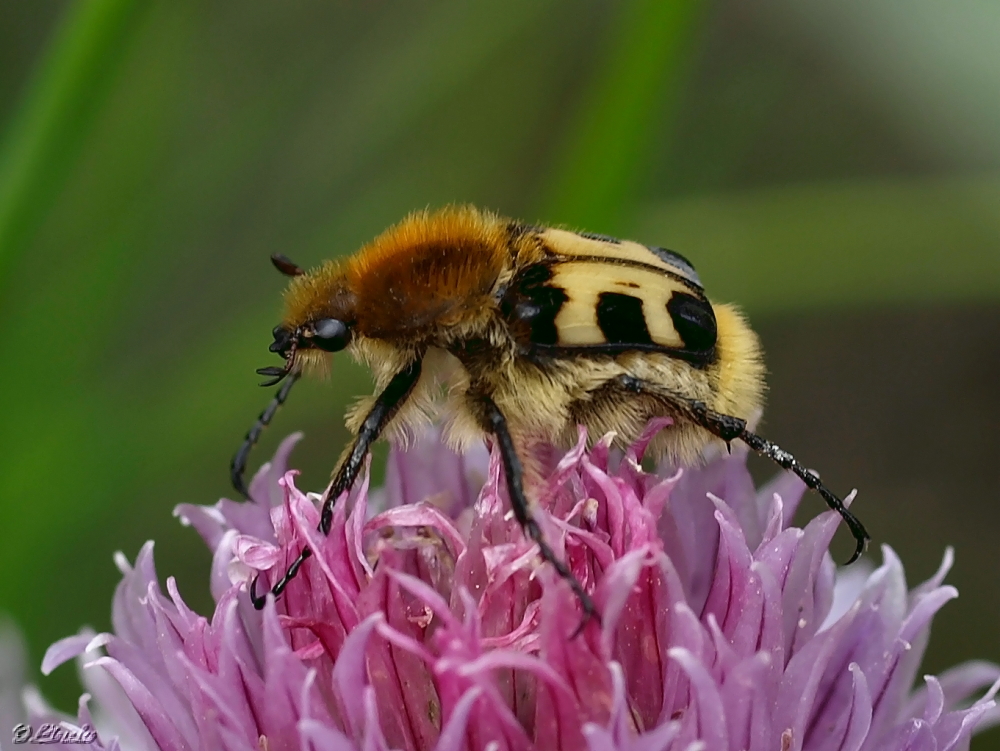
(425, 620)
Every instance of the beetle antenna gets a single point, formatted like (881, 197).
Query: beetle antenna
(285, 265)
(237, 467)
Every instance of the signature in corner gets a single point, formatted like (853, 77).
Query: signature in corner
(53, 733)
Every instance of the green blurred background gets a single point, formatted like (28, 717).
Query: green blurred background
(834, 166)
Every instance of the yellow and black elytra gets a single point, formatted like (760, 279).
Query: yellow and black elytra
(522, 333)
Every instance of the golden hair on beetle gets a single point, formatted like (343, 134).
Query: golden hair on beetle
(522, 333)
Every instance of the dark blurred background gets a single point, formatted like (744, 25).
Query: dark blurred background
(833, 166)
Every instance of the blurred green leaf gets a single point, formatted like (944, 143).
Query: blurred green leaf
(44, 137)
(602, 164)
(872, 242)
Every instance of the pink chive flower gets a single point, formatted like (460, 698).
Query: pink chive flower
(425, 621)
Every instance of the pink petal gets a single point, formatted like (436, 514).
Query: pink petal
(157, 721)
(65, 649)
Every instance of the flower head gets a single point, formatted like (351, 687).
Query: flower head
(425, 620)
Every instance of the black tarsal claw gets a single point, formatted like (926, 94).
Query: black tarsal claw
(856, 528)
(285, 265)
(240, 486)
(861, 538)
(861, 545)
(258, 602)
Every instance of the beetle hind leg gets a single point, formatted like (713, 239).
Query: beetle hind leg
(730, 428)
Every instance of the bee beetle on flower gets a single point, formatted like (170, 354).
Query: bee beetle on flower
(522, 333)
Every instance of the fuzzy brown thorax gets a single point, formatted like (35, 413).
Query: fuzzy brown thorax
(413, 283)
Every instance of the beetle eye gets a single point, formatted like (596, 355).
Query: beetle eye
(330, 335)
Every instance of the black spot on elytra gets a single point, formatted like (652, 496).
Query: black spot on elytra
(621, 320)
(694, 321)
(676, 259)
(530, 300)
(601, 238)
